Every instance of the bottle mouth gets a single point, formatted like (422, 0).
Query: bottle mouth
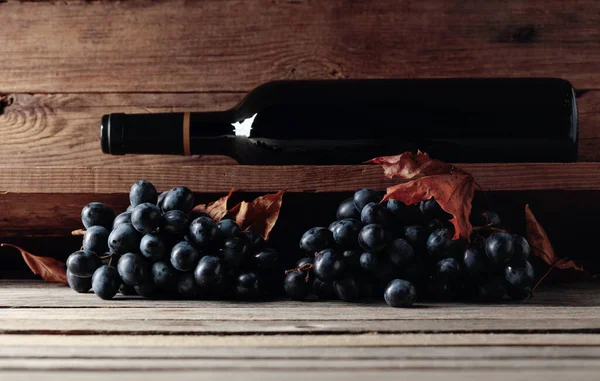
(111, 134)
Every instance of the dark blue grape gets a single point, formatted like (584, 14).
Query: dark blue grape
(519, 274)
(499, 247)
(147, 290)
(123, 218)
(347, 209)
(436, 224)
(374, 213)
(491, 290)
(146, 218)
(127, 290)
(248, 286)
(179, 198)
(416, 235)
(304, 261)
(522, 248)
(328, 265)
(106, 282)
(323, 290)
(438, 243)
(203, 231)
(95, 239)
(228, 228)
(164, 275)
(351, 258)
(265, 260)
(370, 263)
(332, 225)
(188, 288)
(254, 240)
(83, 263)
(175, 223)
(347, 289)
(209, 272)
(364, 196)
(316, 239)
(134, 269)
(154, 247)
(372, 238)
(400, 293)
(160, 200)
(400, 252)
(78, 284)
(397, 210)
(184, 256)
(96, 213)
(346, 231)
(234, 251)
(432, 209)
(123, 239)
(475, 261)
(448, 269)
(296, 285)
(141, 192)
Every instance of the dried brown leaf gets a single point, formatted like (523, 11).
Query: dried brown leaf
(217, 210)
(259, 215)
(50, 269)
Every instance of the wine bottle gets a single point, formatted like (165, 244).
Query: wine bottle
(350, 121)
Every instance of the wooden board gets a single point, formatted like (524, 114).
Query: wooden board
(82, 46)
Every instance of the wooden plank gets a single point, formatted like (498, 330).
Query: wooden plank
(211, 46)
(588, 105)
(220, 178)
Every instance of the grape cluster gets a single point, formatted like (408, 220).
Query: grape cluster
(155, 250)
(398, 251)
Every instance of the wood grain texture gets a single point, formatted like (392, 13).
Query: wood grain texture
(235, 45)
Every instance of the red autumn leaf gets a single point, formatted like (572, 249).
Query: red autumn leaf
(259, 215)
(542, 248)
(451, 187)
(50, 269)
(217, 210)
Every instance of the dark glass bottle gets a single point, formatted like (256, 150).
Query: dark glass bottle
(350, 121)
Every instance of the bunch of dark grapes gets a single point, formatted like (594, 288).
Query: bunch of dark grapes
(379, 248)
(155, 250)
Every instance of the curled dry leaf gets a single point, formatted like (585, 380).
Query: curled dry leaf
(542, 248)
(217, 210)
(451, 187)
(50, 269)
(259, 215)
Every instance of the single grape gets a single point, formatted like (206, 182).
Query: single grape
(125, 289)
(333, 225)
(397, 210)
(265, 260)
(203, 231)
(160, 200)
(522, 248)
(134, 269)
(364, 196)
(141, 192)
(519, 274)
(400, 293)
(234, 251)
(475, 261)
(372, 238)
(123, 239)
(95, 239)
(374, 213)
(351, 258)
(146, 218)
(416, 235)
(346, 231)
(432, 209)
(153, 246)
(347, 209)
(296, 286)
(147, 290)
(123, 218)
(448, 269)
(323, 290)
(187, 286)
(254, 240)
(248, 286)
(316, 239)
(209, 272)
(499, 247)
(179, 198)
(436, 224)
(164, 275)
(184, 256)
(438, 243)
(106, 282)
(79, 284)
(400, 252)
(369, 262)
(347, 289)
(491, 290)
(96, 213)
(304, 261)
(175, 223)
(328, 265)
(228, 228)
(83, 263)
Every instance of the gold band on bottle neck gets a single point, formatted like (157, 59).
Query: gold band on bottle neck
(186, 134)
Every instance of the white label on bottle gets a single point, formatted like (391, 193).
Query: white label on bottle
(243, 128)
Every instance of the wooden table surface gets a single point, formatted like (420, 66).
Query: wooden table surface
(49, 331)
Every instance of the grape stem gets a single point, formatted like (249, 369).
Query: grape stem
(545, 275)
(78, 232)
(305, 267)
